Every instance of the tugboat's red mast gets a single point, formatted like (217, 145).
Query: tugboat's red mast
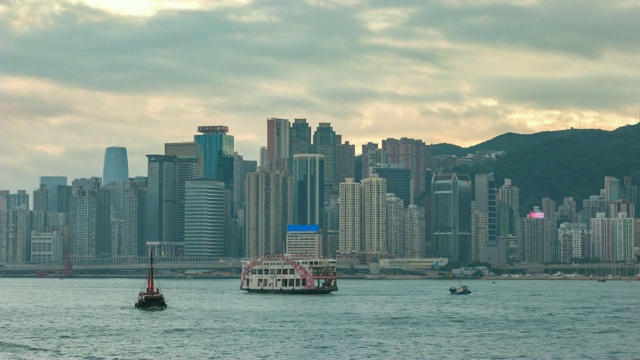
(150, 287)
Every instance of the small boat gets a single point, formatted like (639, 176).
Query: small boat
(151, 298)
(602, 280)
(459, 290)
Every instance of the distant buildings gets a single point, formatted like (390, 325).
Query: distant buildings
(451, 216)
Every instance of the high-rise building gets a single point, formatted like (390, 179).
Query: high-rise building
(188, 166)
(509, 196)
(350, 225)
(374, 215)
(345, 160)
(161, 209)
(134, 213)
(395, 225)
(398, 180)
(549, 210)
(533, 233)
(611, 190)
(413, 155)
(479, 234)
(241, 168)
(299, 139)
(268, 209)
(46, 246)
(593, 205)
(612, 238)
(485, 199)
(451, 216)
(264, 157)
(58, 193)
(278, 143)
(217, 153)
(414, 232)
(371, 157)
(574, 242)
(10, 201)
(308, 192)
(40, 199)
(567, 211)
(116, 165)
(15, 235)
(324, 143)
(205, 219)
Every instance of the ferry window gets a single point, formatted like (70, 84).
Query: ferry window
(266, 271)
(292, 271)
(254, 271)
(304, 282)
(297, 282)
(291, 282)
(279, 271)
(260, 272)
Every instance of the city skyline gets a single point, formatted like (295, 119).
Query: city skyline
(82, 76)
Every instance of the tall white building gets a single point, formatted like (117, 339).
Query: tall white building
(479, 234)
(509, 195)
(350, 223)
(574, 242)
(612, 238)
(205, 218)
(304, 240)
(374, 214)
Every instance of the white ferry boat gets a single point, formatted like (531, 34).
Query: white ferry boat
(291, 274)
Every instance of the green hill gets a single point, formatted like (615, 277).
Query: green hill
(559, 164)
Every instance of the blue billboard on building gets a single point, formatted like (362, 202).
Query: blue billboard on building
(303, 228)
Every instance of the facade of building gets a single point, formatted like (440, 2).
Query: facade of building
(46, 247)
(413, 155)
(612, 238)
(15, 235)
(278, 143)
(134, 214)
(217, 153)
(324, 143)
(574, 242)
(308, 192)
(532, 233)
(350, 223)
(485, 199)
(345, 160)
(304, 240)
(205, 218)
(372, 157)
(299, 139)
(451, 216)
(414, 232)
(398, 181)
(395, 226)
(479, 234)
(116, 165)
(269, 208)
(58, 193)
(161, 207)
(374, 215)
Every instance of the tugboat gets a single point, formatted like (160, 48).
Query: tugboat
(459, 290)
(151, 298)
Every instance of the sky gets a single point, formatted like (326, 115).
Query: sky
(78, 76)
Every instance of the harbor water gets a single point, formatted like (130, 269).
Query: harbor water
(365, 319)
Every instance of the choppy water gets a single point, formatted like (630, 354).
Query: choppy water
(95, 318)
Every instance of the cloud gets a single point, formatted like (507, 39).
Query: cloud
(79, 76)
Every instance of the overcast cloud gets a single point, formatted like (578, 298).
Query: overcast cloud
(79, 76)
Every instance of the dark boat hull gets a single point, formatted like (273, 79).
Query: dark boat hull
(293, 291)
(151, 303)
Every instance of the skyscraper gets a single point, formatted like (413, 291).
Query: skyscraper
(15, 235)
(58, 193)
(451, 216)
(324, 142)
(217, 153)
(278, 143)
(395, 226)
(299, 139)
(374, 215)
(414, 232)
(485, 193)
(412, 154)
(268, 209)
(161, 210)
(350, 209)
(308, 192)
(345, 160)
(116, 165)
(205, 218)
(398, 180)
(90, 220)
